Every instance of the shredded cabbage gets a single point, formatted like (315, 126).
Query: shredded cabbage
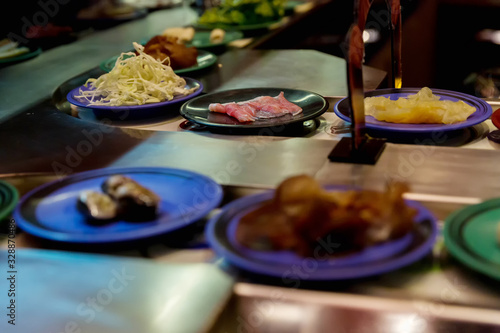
(135, 80)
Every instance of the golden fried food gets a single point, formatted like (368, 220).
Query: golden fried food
(217, 36)
(183, 35)
(162, 47)
(421, 108)
(302, 213)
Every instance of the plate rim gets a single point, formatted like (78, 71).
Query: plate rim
(213, 45)
(136, 234)
(6, 210)
(71, 100)
(456, 249)
(318, 113)
(241, 27)
(24, 56)
(213, 60)
(416, 129)
(335, 273)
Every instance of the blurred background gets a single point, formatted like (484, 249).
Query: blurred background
(448, 44)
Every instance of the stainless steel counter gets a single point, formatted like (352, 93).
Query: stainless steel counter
(435, 294)
(46, 139)
(41, 142)
(273, 309)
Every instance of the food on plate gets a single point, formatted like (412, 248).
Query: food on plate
(136, 79)
(244, 12)
(48, 31)
(421, 108)
(166, 47)
(97, 205)
(122, 197)
(302, 215)
(217, 36)
(10, 49)
(106, 9)
(257, 108)
(183, 35)
(186, 35)
(134, 201)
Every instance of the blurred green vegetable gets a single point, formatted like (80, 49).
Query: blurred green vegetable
(244, 12)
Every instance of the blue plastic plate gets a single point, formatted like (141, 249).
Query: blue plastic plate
(50, 211)
(133, 111)
(483, 111)
(374, 260)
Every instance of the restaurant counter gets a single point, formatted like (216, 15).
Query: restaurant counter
(41, 136)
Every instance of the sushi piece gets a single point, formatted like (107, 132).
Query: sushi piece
(262, 107)
(111, 184)
(217, 36)
(135, 202)
(97, 205)
(183, 35)
(243, 113)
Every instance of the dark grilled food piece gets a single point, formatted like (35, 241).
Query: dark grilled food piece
(135, 202)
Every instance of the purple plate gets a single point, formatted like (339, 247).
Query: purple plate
(50, 211)
(374, 260)
(483, 111)
(133, 111)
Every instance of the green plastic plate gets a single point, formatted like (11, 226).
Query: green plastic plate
(8, 199)
(201, 39)
(241, 27)
(471, 236)
(21, 57)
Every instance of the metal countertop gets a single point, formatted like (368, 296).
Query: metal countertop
(40, 142)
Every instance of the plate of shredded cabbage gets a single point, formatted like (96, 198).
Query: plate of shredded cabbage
(418, 110)
(136, 83)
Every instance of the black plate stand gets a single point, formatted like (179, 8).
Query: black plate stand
(367, 153)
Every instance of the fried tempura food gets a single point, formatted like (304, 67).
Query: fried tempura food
(160, 47)
(217, 36)
(421, 108)
(302, 214)
(183, 35)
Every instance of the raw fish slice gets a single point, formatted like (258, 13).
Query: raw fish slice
(293, 108)
(278, 105)
(266, 107)
(243, 113)
(267, 110)
(258, 108)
